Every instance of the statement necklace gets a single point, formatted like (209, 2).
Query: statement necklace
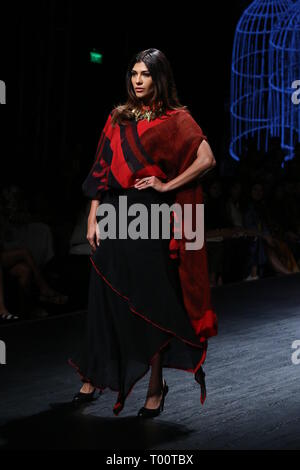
(147, 113)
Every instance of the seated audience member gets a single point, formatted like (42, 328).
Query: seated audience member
(284, 210)
(4, 313)
(79, 244)
(236, 246)
(19, 266)
(279, 254)
(21, 230)
(78, 264)
(215, 219)
(255, 220)
(268, 245)
(233, 205)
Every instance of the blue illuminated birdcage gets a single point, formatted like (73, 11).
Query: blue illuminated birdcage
(285, 79)
(250, 88)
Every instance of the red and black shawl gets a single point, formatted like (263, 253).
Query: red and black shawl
(164, 148)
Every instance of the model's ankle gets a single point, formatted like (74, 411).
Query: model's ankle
(87, 388)
(155, 392)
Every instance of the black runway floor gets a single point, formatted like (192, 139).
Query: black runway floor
(253, 386)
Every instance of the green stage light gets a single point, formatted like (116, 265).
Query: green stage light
(96, 57)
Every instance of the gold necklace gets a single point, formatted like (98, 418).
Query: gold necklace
(148, 114)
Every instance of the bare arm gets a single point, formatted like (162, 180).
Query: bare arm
(93, 235)
(94, 206)
(204, 162)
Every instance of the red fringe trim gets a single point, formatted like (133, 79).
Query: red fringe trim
(119, 405)
(131, 307)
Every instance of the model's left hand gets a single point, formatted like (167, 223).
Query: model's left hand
(150, 182)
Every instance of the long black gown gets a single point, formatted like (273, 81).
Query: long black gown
(135, 308)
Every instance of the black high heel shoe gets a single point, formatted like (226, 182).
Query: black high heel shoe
(200, 378)
(81, 398)
(148, 413)
(8, 317)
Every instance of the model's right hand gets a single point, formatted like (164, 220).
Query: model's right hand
(93, 233)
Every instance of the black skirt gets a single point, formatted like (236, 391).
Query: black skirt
(135, 307)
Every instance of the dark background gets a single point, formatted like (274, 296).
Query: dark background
(57, 104)
(57, 101)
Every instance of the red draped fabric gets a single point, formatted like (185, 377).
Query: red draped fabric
(164, 147)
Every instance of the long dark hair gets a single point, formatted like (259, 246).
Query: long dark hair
(165, 92)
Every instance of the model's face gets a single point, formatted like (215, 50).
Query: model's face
(141, 78)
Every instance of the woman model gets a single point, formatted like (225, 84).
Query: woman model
(149, 296)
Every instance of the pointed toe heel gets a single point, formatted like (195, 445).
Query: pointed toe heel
(200, 378)
(81, 398)
(152, 413)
